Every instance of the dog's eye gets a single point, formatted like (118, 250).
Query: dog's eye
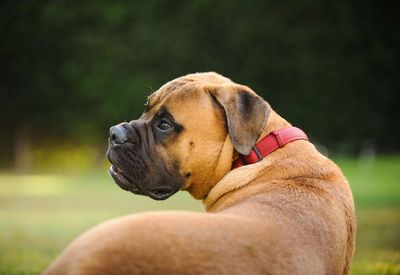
(164, 126)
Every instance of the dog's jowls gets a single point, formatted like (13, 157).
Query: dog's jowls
(291, 213)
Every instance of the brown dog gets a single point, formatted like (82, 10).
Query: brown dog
(290, 213)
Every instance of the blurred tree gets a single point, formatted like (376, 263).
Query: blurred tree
(70, 69)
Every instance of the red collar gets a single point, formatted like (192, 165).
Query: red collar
(276, 139)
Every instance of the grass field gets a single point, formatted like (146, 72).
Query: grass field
(41, 214)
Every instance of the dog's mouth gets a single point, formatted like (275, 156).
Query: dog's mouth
(123, 181)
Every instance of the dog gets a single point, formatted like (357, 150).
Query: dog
(274, 204)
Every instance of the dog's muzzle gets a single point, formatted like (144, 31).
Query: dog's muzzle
(119, 134)
(129, 163)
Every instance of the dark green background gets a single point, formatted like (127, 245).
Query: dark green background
(71, 69)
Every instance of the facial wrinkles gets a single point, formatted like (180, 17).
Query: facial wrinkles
(157, 97)
(149, 138)
(153, 152)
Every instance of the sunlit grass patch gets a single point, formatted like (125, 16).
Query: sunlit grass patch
(24, 260)
(373, 180)
(32, 185)
(378, 262)
(41, 214)
(67, 157)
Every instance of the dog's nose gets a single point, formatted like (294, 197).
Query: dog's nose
(118, 134)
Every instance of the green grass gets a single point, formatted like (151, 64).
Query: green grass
(41, 214)
(376, 189)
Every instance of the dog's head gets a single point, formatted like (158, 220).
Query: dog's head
(191, 131)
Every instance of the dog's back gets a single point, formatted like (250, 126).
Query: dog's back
(310, 203)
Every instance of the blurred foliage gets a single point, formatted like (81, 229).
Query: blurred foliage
(71, 69)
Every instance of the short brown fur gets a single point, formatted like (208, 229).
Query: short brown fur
(291, 213)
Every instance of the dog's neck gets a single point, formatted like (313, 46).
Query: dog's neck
(275, 122)
(242, 176)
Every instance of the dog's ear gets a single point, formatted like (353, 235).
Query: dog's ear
(246, 114)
